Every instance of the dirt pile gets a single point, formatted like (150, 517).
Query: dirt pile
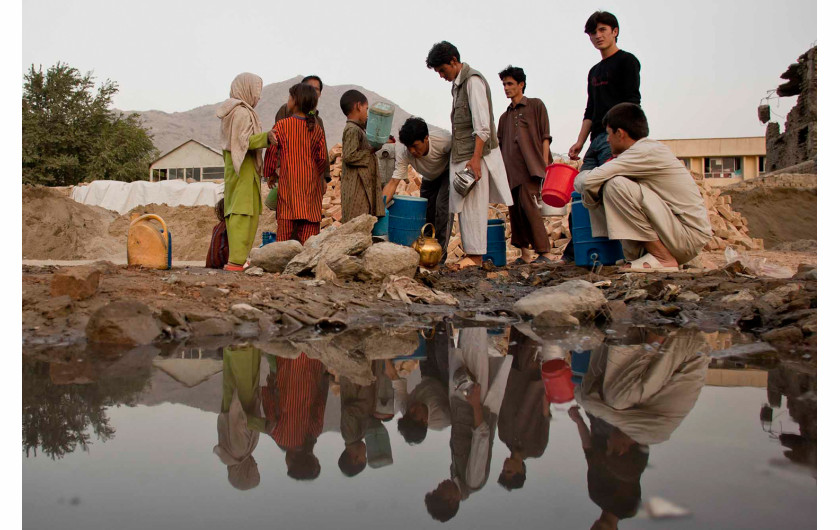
(57, 227)
(777, 214)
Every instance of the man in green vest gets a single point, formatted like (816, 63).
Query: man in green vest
(474, 146)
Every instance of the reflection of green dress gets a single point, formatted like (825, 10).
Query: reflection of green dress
(241, 373)
(242, 200)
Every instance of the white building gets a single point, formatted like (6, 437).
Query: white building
(190, 160)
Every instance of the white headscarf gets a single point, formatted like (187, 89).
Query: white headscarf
(239, 120)
(236, 444)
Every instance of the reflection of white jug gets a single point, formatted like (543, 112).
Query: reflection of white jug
(550, 351)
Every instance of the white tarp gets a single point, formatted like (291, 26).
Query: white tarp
(122, 197)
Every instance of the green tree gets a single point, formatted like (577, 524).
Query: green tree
(70, 135)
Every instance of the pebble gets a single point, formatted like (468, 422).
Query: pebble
(254, 271)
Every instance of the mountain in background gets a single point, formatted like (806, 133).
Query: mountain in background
(170, 130)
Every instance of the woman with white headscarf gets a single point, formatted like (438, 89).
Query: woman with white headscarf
(242, 140)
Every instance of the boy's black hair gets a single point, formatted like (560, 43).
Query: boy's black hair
(518, 75)
(316, 78)
(439, 508)
(220, 209)
(413, 431)
(442, 53)
(348, 467)
(515, 482)
(600, 17)
(349, 99)
(627, 116)
(414, 129)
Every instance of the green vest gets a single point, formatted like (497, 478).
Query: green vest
(463, 141)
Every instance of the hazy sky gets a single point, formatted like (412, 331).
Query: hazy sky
(705, 64)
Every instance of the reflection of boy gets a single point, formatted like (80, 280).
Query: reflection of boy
(361, 188)
(357, 404)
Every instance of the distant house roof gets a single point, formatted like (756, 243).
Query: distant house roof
(161, 157)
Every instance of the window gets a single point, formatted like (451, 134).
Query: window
(158, 175)
(686, 162)
(194, 173)
(176, 173)
(723, 167)
(761, 165)
(211, 173)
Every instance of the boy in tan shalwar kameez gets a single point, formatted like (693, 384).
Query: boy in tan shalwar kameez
(361, 188)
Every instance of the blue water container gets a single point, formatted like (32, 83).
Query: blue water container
(580, 365)
(268, 237)
(380, 119)
(380, 229)
(589, 249)
(168, 250)
(496, 247)
(405, 219)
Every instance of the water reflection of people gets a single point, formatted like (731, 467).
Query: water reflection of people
(524, 417)
(239, 424)
(428, 404)
(357, 406)
(295, 397)
(474, 418)
(635, 395)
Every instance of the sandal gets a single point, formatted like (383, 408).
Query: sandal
(542, 259)
(519, 261)
(234, 267)
(653, 265)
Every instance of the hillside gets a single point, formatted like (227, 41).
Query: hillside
(200, 123)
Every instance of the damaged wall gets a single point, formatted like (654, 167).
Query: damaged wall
(798, 143)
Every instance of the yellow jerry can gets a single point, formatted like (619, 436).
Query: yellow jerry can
(149, 246)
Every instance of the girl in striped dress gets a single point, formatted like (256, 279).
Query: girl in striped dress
(301, 161)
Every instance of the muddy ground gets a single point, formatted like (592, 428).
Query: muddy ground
(778, 312)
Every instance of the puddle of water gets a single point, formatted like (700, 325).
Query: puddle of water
(383, 427)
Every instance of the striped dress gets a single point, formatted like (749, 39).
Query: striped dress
(295, 396)
(301, 161)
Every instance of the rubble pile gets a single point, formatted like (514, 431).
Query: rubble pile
(730, 228)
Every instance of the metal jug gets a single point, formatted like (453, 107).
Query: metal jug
(428, 247)
(464, 181)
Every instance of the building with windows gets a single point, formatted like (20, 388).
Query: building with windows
(723, 161)
(190, 160)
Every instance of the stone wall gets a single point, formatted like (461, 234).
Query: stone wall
(799, 141)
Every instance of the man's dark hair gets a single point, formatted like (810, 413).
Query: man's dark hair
(515, 482)
(414, 129)
(600, 17)
(413, 431)
(346, 465)
(441, 54)
(349, 100)
(439, 508)
(316, 78)
(518, 75)
(627, 116)
(303, 466)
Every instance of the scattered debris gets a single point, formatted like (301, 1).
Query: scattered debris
(407, 290)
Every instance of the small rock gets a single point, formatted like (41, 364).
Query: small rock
(171, 279)
(636, 294)
(275, 256)
(346, 266)
(809, 324)
(618, 311)
(56, 307)
(554, 319)
(212, 327)
(247, 312)
(313, 283)
(668, 310)
(172, 317)
(254, 271)
(76, 282)
(125, 322)
(688, 296)
(224, 291)
(389, 259)
(324, 272)
(781, 295)
(737, 298)
(574, 297)
(789, 334)
(210, 292)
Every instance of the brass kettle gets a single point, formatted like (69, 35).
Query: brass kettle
(428, 247)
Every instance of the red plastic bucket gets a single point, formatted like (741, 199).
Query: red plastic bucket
(559, 184)
(557, 378)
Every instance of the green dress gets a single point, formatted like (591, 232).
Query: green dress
(242, 200)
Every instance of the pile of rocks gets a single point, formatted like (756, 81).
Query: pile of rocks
(730, 228)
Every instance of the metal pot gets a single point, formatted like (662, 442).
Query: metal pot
(464, 181)
(428, 247)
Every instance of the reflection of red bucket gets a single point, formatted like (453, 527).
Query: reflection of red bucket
(557, 378)
(559, 184)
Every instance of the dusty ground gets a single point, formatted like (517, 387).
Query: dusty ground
(200, 294)
(778, 215)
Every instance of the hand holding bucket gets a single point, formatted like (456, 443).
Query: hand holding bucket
(559, 184)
